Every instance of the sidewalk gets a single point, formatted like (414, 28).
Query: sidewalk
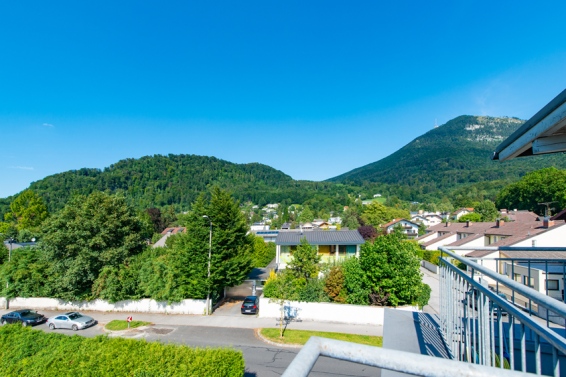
(241, 321)
(431, 279)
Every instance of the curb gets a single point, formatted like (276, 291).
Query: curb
(258, 335)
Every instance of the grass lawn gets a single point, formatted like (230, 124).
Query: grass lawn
(117, 325)
(301, 336)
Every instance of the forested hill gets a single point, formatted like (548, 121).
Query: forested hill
(454, 154)
(157, 181)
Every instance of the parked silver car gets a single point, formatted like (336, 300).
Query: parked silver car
(71, 320)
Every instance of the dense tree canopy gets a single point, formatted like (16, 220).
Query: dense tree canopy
(391, 268)
(377, 214)
(90, 233)
(545, 185)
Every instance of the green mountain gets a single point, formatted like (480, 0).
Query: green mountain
(453, 155)
(159, 181)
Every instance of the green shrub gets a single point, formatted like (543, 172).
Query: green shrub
(431, 256)
(27, 352)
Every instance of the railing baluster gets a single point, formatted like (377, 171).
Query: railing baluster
(537, 354)
(511, 342)
(501, 336)
(523, 348)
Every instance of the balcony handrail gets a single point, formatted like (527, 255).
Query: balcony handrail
(550, 336)
(394, 360)
(546, 301)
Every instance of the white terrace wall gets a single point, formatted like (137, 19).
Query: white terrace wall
(314, 311)
(130, 306)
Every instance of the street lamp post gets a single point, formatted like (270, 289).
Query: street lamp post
(209, 254)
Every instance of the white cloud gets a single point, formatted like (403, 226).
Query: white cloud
(48, 125)
(21, 167)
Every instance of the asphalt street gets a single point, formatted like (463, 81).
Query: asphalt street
(227, 327)
(233, 330)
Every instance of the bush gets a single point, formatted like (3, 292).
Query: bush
(431, 256)
(424, 296)
(27, 352)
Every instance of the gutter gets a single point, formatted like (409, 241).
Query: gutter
(539, 116)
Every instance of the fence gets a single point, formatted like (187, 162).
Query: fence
(481, 325)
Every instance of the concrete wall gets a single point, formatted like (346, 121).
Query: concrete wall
(139, 306)
(353, 314)
(429, 266)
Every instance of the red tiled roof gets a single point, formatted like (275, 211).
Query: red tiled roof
(174, 230)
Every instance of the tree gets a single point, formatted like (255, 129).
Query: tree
(27, 211)
(487, 211)
(156, 219)
(231, 256)
(355, 282)
(263, 252)
(392, 270)
(304, 264)
(473, 216)
(377, 214)
(350, 219)
(90, 233)
(545, 185)
(334, 285)
(368, 232)
(306, 215)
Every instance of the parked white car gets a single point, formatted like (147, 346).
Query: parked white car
(72, 320)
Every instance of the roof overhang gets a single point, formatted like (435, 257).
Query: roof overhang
(544, 133)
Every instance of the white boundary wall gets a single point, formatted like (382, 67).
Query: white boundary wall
(138, 306)
(327, 312)
(429, 266)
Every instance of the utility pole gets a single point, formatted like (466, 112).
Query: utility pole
(209, 255)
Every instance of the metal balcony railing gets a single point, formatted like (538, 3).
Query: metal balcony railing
(481, 325)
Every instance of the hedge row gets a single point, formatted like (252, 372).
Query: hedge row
(27, 352)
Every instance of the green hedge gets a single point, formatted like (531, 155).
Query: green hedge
(28, 352)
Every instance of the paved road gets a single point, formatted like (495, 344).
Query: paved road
(225, 329)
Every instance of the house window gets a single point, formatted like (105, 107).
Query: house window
(518, 277)
(552, 285)
(528, 282)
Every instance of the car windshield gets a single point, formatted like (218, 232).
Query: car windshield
(26, 312)
(75, 315)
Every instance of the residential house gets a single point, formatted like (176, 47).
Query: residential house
(528, 229)
(259, 226)
(331, 245)
(461, 212)
(411, 229)
(267, 235)
(167, 232)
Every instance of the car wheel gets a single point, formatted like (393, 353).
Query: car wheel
(24, 323)
(52, 326)
(4, 322)
(75, 328)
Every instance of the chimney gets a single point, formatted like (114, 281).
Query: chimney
(499, 223)
(447, 223)
(468, 223)
(547, 223)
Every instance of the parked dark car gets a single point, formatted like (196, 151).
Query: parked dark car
(26, 317)
(250, 305)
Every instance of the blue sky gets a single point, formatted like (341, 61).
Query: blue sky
(313, 89)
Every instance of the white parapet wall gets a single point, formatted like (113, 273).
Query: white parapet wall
(324, 311)
(132, 306)
(429, 266)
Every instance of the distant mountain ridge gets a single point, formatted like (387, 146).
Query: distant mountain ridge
(456, 153)
(177, 180)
